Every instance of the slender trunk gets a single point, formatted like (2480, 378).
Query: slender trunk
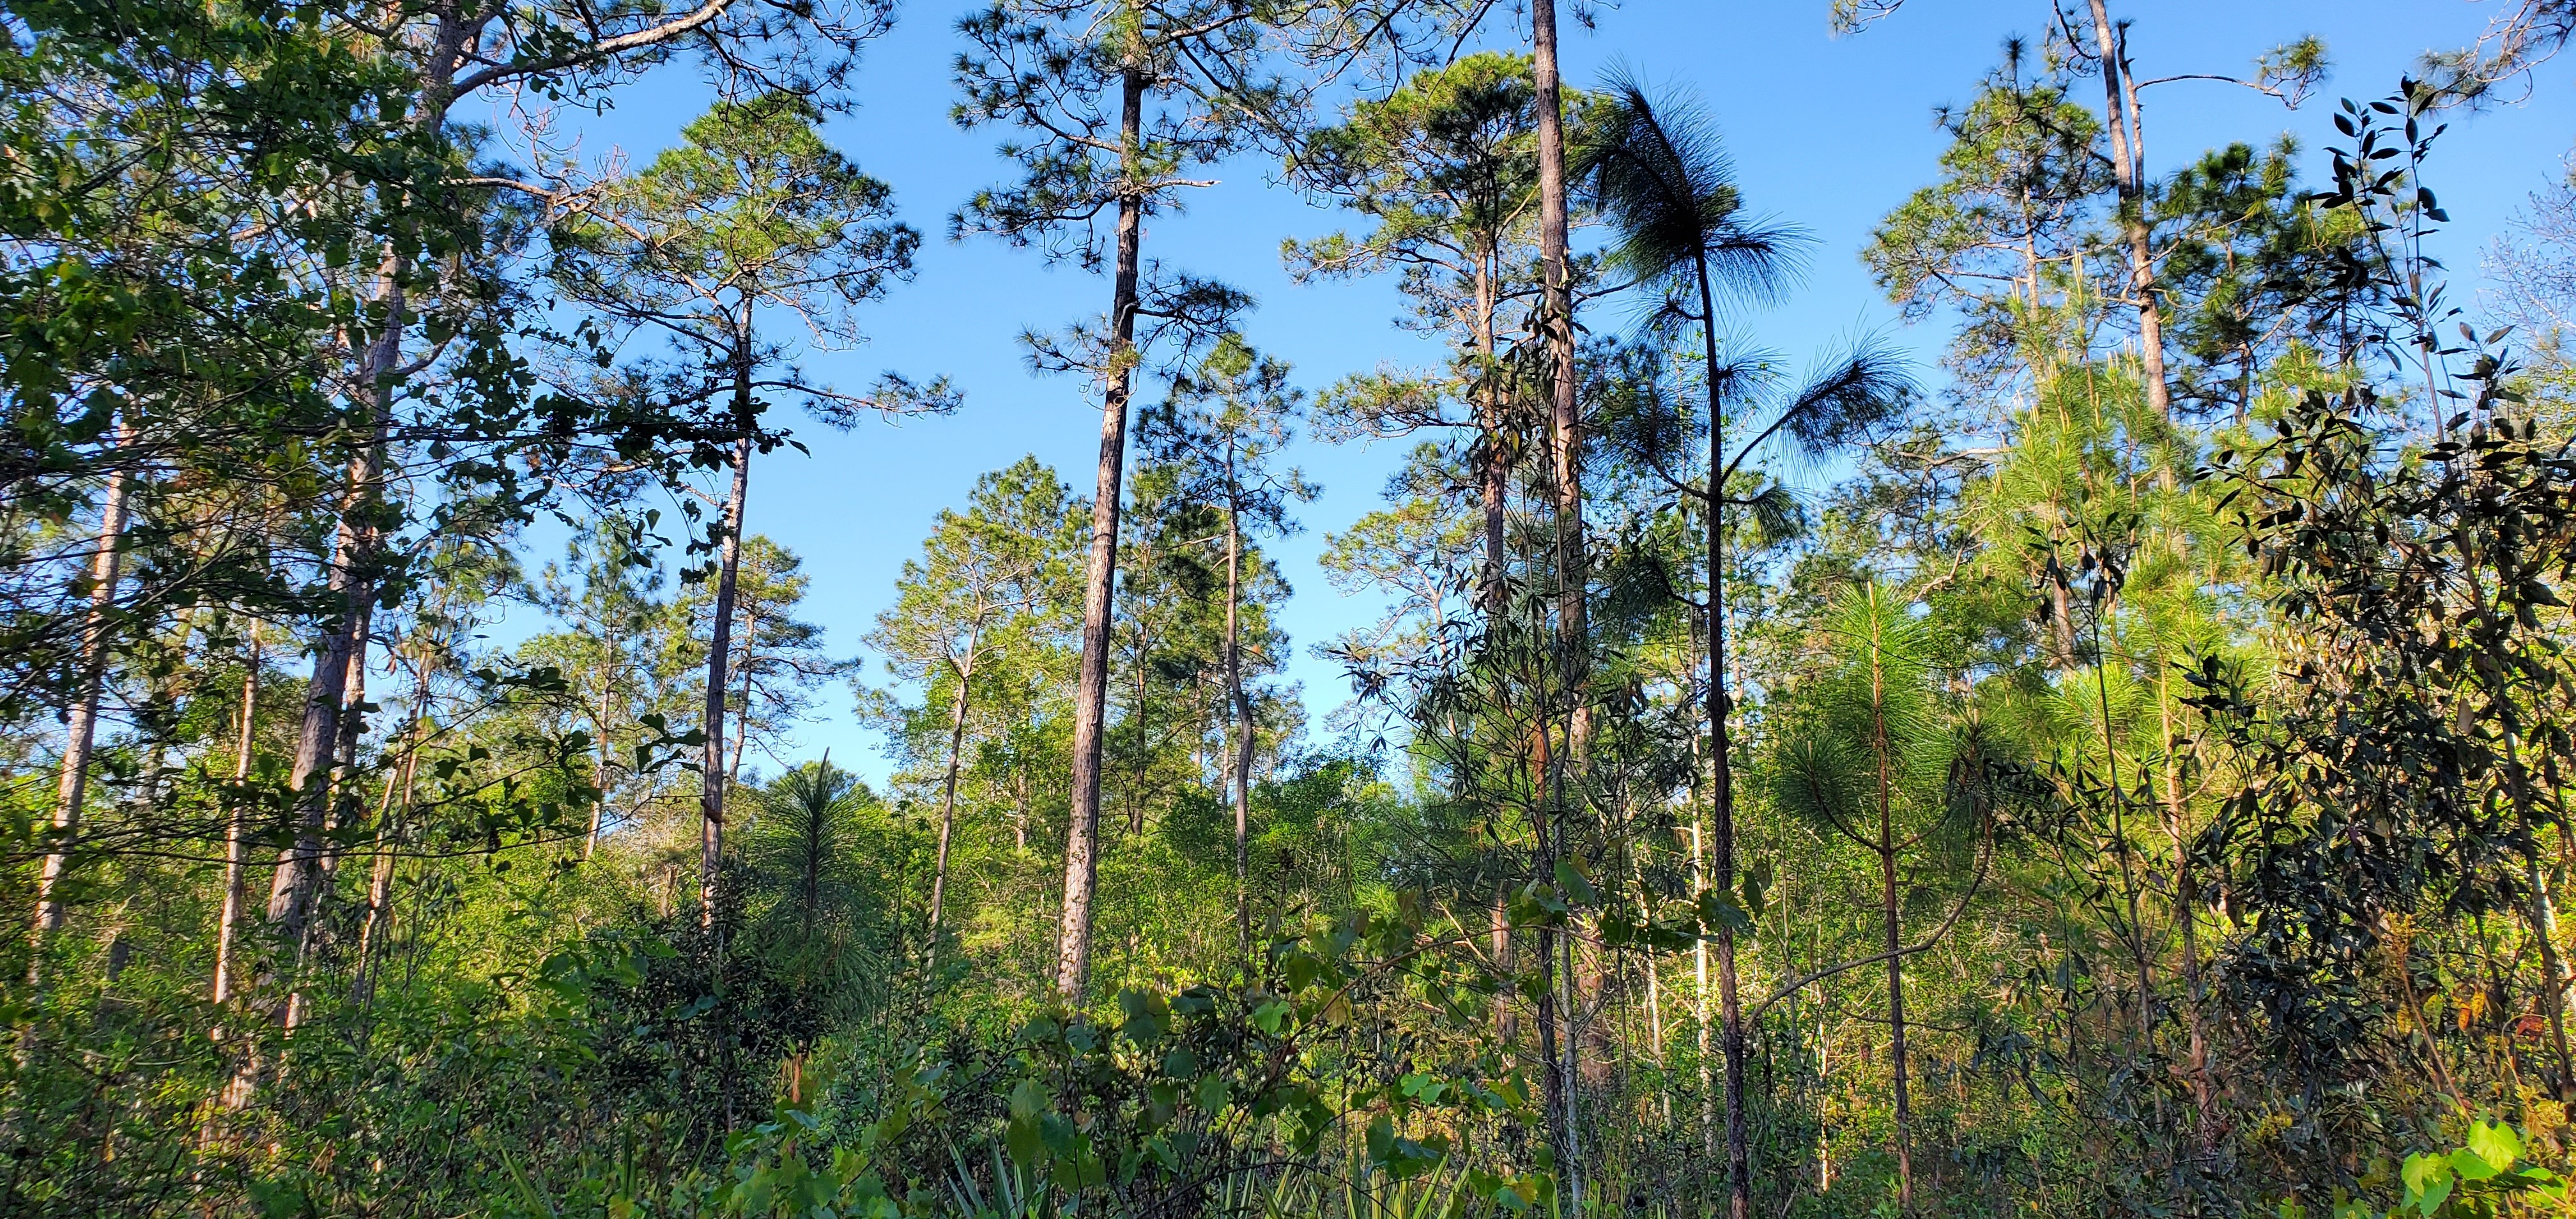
(81, 725)
(1242, 703)
(2555, 983)
(1894, 929)
(1739, 1154)
(2128, 157)
(1554, 1079)
(1498, 945)
(1708, 1099)
(711, 758)
(380, 879)
(1494, 467)
(742, 732)
(296, 887)
(599, 770)
(2186, 914)
(1565, 431)
(237, 825)
(1091, 693)
(1566, 442)
(948, 799)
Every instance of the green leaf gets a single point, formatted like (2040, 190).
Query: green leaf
(2494, 1143)
(2471, 1166)
(1571, 881)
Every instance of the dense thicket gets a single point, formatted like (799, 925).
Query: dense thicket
(2122, 772)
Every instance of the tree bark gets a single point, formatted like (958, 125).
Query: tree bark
(2187, 915)
(1494, 467)
(237, 826)
(81, 724)
(296, 887)
(948, 799)
(380, 878)
(1565, 431)
(1091, 692)
(1739, 1155)
(1242, 703)
(1565, 444)
(711, 794)
(599, 772)
(1894, 929)
(1708, 1096)
(742, 733)
(2128, 156)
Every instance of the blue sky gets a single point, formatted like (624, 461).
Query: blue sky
(1828, 132)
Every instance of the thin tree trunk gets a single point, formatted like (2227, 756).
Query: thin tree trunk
(2186, 914)
(1894, 929)
(742, 733)
(2128, 158)
(1565, 432)
(380, 878)
(1498, 939)
(295, 889)
(1494, 470)
(599, 771)
(1708, 1098)
(237, 826)
(1242, 707)
(81, 726)
(948, 798)
(711, 794)
(1739, 1155)
(1565, 441)
(1091, 692)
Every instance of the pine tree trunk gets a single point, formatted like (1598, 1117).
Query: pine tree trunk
(1091, 693)
(81, 725)
(948, 800)
(2186, 902)
(711, 794)
(237, 826)
(1708, 1096)
(1739, 1155)
(742, 731)
(380, 878)
(296, 887)
(1242, 703)
(1882, 746)
(1494, 467)
(599, 771)
(1565, 431)
(1565, 443)
(2128, 157)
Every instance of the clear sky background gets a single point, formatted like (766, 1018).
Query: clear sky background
(1828, 132)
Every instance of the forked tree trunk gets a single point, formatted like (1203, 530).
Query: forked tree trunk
(2128, 157)
(81, 724)
(1091, 691)
(296, 888)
